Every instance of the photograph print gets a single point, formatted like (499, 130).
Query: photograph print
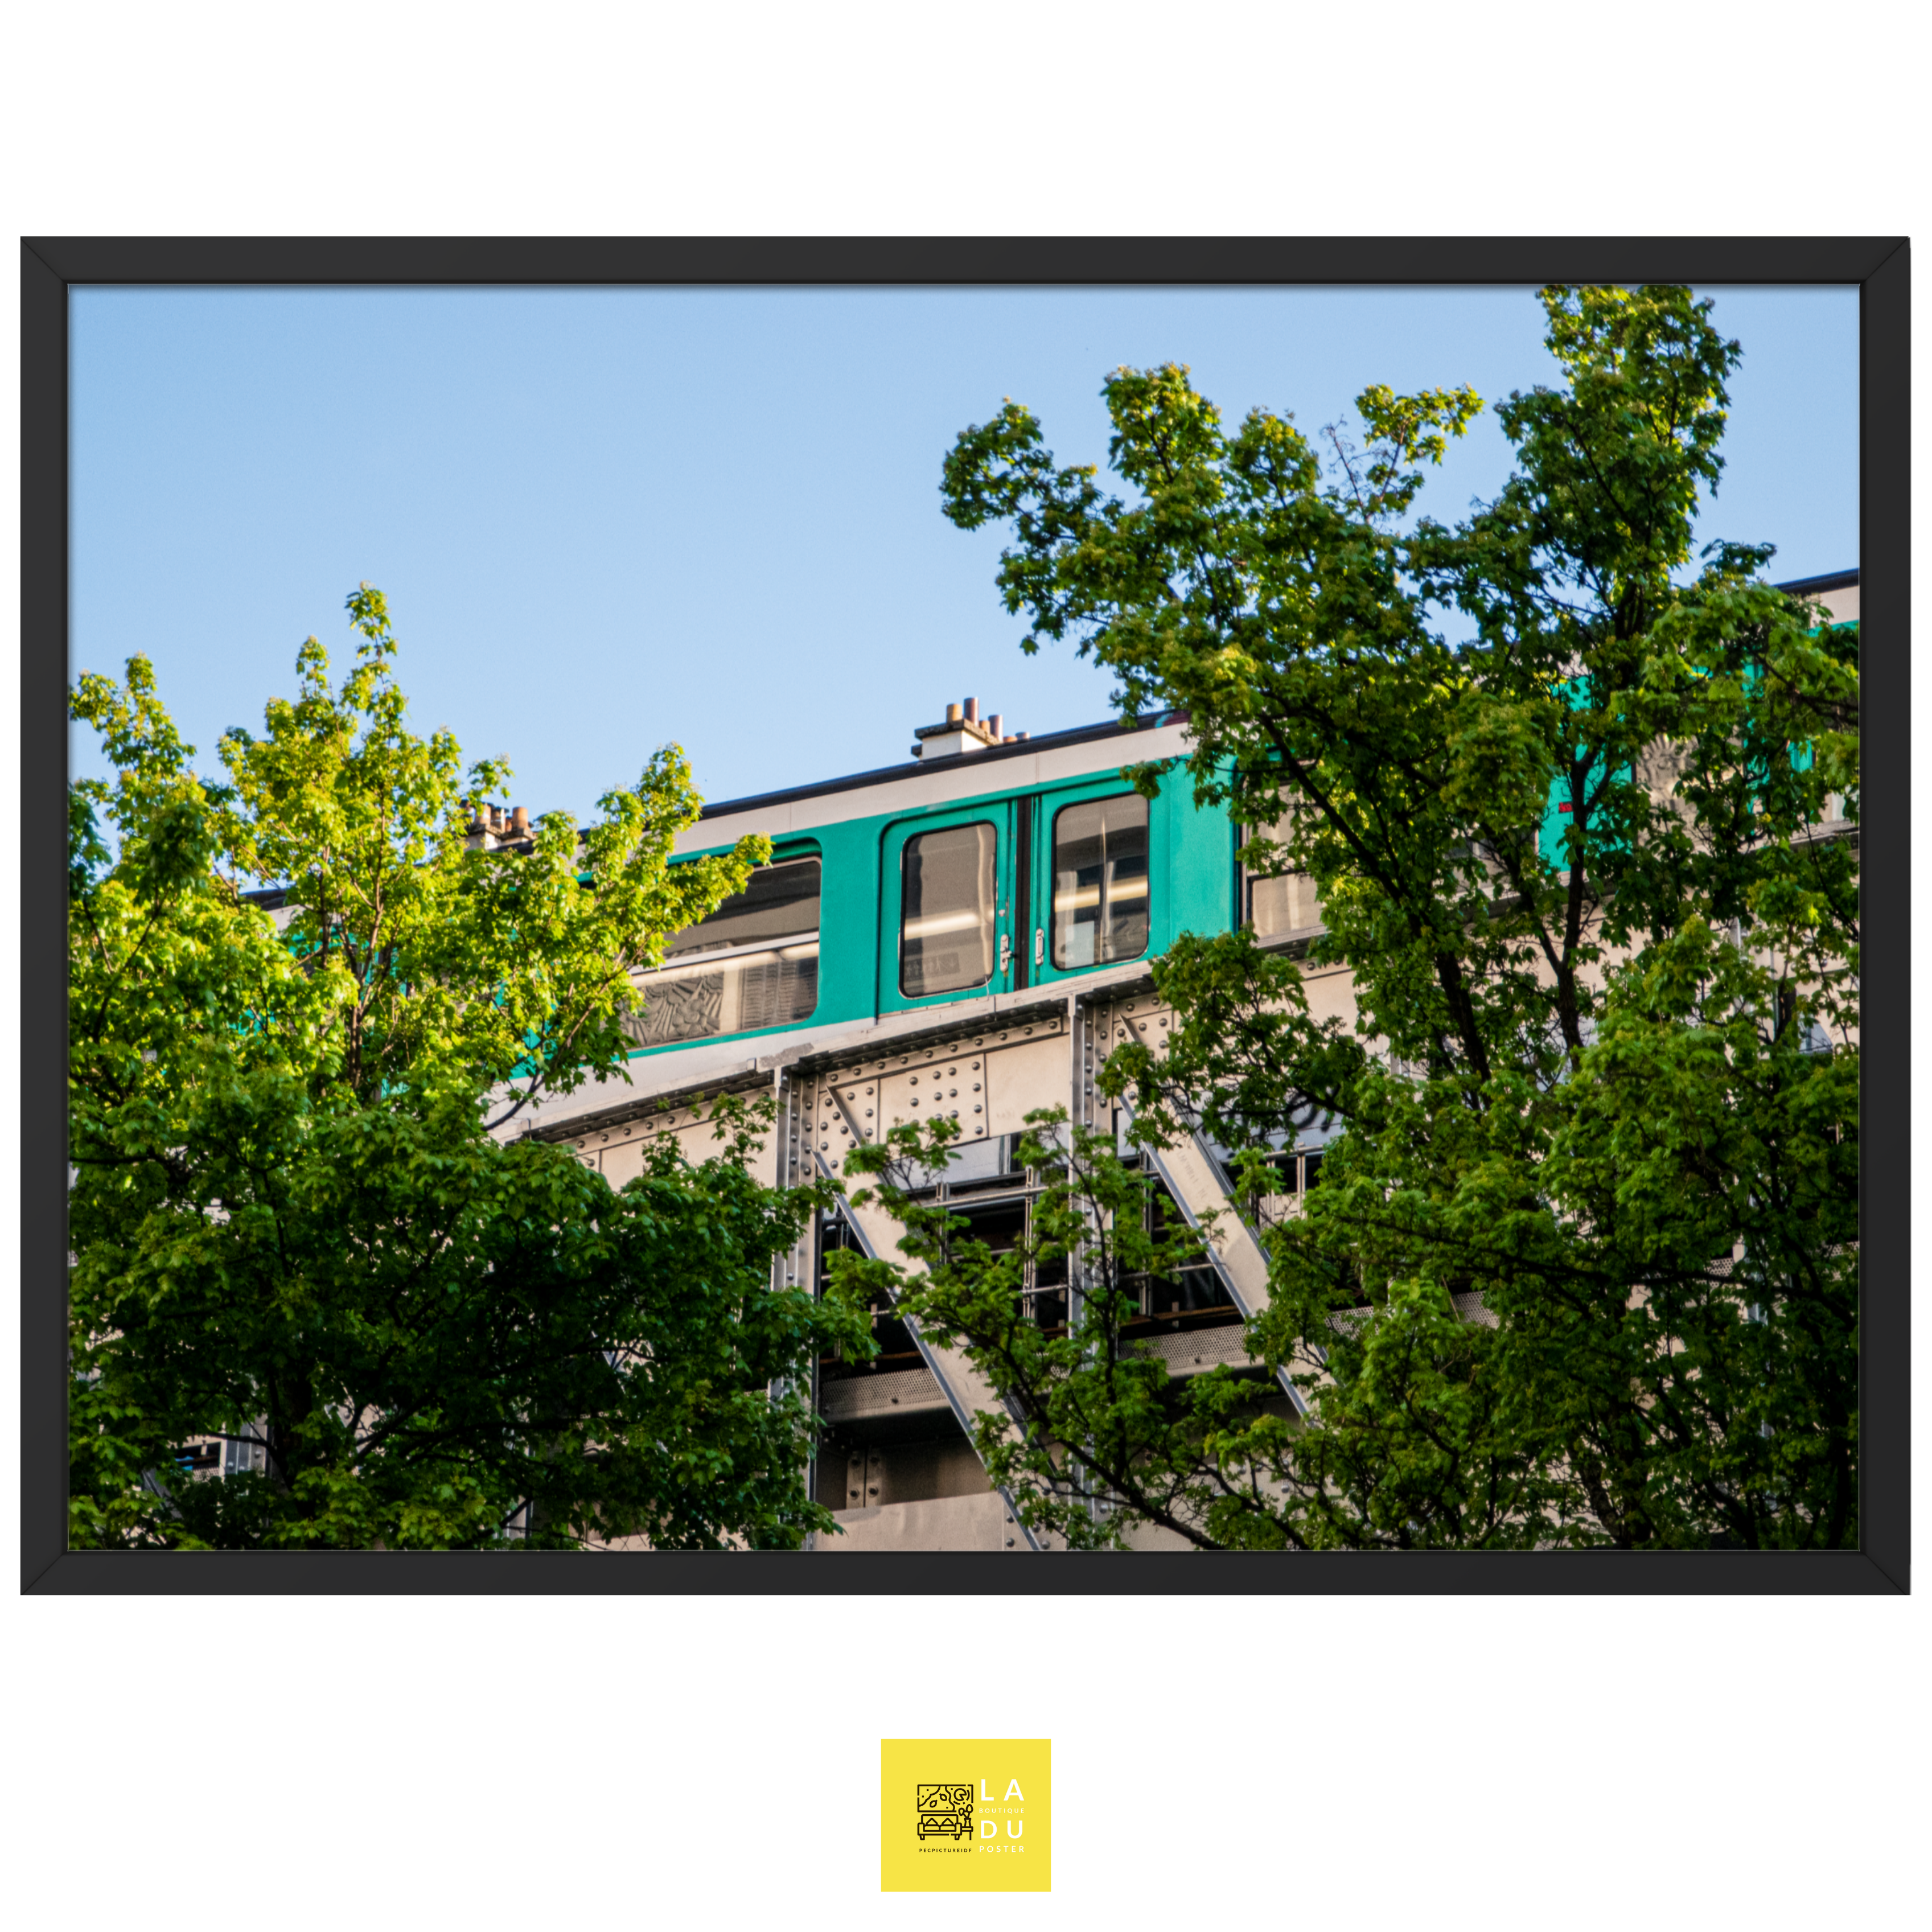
(1016, 920)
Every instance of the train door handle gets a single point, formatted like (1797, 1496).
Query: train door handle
(1006, 951)
(1040, 945)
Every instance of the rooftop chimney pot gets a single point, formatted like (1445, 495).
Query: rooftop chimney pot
(993, 724)
(953, 714)
(972, 711)
(520, 819)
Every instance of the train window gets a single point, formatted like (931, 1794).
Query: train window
(947, 911)
(1100, 904)
(1286, 904)
(753, 963)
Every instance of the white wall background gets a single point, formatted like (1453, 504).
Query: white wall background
(1503, 1764)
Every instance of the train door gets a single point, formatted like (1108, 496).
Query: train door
(950, 929)
(1090, 879)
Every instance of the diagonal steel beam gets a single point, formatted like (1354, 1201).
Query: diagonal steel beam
(1193, 1178)
(968, 1392)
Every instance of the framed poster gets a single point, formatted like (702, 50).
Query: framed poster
(1030, 921)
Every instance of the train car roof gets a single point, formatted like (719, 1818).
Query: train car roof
(1049, 741)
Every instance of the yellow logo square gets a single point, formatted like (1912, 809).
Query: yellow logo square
(965, 1814)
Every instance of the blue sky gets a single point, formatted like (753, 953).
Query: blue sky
(605, 519)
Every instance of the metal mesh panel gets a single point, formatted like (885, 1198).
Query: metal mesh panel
(1197, 1349)
(873, 1395)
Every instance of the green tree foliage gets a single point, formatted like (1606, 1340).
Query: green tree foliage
(297, 1215)
(1582, 1266)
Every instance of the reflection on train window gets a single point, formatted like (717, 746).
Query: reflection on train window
(1288, 903)
(947, 911)
(753, 963)
(1100, 881)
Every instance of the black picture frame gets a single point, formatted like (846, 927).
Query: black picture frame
(1880, 268)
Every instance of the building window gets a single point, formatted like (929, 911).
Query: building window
(996, 1199)
(897, 1350)
(947, 911)
(1294, 1173)
(753, 963)
(1192, 1295)
(1100, 903)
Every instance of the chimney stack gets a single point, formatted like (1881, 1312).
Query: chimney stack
(493, 825)
(963, 730)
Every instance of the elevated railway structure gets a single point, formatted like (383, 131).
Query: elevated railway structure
(966, 933)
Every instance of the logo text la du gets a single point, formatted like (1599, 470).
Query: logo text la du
(1014, 1826)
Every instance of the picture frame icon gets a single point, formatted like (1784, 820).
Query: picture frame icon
(945, 1811)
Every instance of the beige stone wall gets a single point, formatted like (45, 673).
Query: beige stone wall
(947, 1522)
(618, 1153)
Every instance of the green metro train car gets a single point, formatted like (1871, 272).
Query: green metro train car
(991, 865)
